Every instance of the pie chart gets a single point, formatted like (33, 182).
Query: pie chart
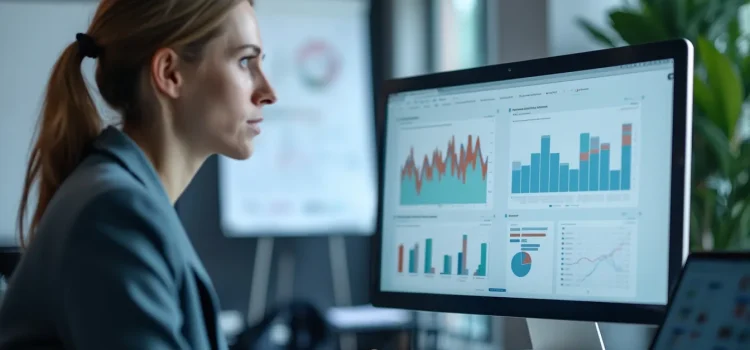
(521, 264)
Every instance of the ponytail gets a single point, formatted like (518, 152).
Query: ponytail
(68, 123)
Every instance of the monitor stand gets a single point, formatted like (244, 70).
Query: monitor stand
(564, 335)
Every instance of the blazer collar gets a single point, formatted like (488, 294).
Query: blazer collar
(116, 144)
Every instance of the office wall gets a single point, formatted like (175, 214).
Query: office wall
(565, 36)
(32, 35)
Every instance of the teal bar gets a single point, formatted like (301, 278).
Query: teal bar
(536, 160)
(516, 181)
(428, 256)
(483, 265)
(626, 160)
(604, 168)
(573, 180)
(545, 166)
(554, 172)
(525, 179)
(460, 260)
(594, 165)
(614, 180)
(564, 177)
(412, 269)
(627, 139)
(583, 176)
(447, 265)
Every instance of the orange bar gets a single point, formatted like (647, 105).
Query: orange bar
(464, 257)
(627, 140)
(515, 235)
(585, 156)
(401, 258)
(534, 235)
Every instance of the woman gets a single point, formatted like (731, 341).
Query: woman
(108, 264)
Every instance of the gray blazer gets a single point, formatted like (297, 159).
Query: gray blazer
(111, 266)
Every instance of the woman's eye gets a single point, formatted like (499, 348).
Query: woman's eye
(245, 61)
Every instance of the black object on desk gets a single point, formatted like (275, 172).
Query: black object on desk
(295, 326)
(9, 258)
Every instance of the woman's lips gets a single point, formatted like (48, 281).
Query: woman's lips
(254, 125)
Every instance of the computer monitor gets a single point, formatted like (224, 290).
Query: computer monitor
(555, 188)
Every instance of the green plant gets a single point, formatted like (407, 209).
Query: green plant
(720, 203)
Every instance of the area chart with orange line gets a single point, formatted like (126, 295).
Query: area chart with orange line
(438, 168)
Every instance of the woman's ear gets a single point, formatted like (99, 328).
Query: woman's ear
(165, 72)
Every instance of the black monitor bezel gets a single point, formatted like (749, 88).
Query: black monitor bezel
(693, 258)
(678, 50)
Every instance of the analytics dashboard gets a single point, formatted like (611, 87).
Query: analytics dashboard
(551, 187)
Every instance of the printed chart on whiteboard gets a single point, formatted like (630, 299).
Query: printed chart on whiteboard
(313, 166)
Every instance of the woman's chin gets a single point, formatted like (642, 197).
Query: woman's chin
(241, 152)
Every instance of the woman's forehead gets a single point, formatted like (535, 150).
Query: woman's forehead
(242, 26)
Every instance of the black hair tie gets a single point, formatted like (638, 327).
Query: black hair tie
(87, 46)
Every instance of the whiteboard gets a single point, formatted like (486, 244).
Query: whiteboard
(313, 169)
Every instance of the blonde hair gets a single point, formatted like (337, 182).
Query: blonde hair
(128, 32)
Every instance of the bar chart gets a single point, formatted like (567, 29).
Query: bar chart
(597, 258)
(462, 268)
(530, 254)
(455, 251)
(574, 159)
(448, 164)
(546, 174)
(413, 258)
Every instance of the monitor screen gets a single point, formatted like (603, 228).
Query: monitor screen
(549, 187)
(313, 170)
(710, 309)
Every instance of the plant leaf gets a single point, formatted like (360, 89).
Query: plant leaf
(595, 33)
(696, 226)
(722, 13)
(717, 141)
(705, 100)
(636, 28)
(743, 232)
(741, 183)
(725, 84)
(733, 34)
(745, 68)
(669, 13)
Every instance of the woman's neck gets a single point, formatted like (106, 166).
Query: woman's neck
(170, 156)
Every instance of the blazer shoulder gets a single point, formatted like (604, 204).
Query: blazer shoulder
(127, 217)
